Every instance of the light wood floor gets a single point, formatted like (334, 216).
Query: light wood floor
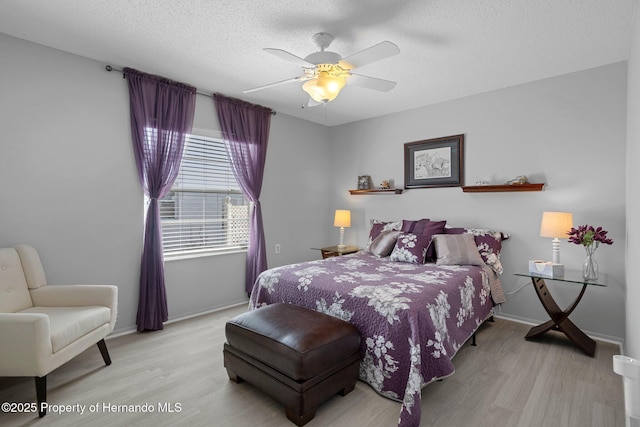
(504, 381)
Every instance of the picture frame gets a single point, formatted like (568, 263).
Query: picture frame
(364, 182)
(437, 162)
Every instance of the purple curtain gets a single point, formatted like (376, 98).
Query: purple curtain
(245, 130)
(161, 115)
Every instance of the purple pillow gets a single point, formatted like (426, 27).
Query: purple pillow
(410, 248)
(455, 230)
(419, 226)
(429, 229)
(407, 226)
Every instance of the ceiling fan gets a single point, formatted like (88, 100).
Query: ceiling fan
(325, 73)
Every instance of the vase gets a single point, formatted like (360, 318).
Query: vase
(590, 266)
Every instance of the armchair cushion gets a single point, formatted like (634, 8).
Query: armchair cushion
(78, 296)
(68, 324)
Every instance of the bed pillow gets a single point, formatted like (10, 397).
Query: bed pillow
(457, 249)
(420, 226)
(454, 230)
(409, 226)
(384, 243)
(429, 229)
(378, 227)
(489, 243)
(410, 248)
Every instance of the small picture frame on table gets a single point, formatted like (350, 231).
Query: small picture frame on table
(434, 162)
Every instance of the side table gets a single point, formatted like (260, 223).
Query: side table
(560, 318)
(331, 251)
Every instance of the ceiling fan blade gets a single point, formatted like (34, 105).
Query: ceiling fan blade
(374, 53)
(291, 80)
(290, 57)
(370, 82)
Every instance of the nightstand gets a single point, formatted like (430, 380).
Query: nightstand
(559, 317)
(331, 251)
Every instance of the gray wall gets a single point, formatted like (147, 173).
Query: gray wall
(568, 132)
(70, 186)
(632, 343)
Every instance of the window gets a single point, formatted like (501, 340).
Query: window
(205, 210)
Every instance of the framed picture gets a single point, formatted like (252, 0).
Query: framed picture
(364, 182)
(434, 162)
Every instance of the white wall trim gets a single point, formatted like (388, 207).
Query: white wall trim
(128, 331)
(594, 335)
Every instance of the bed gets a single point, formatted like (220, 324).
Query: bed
(413, 316)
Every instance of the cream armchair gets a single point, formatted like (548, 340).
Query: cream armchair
(43, 327)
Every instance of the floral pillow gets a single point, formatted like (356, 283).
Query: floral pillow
(410, 248)
(489, 243)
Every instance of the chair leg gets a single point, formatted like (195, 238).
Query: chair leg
(104, 352)
(41, 382)
(41, 395)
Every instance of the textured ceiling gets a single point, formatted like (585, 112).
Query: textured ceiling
(449, 48)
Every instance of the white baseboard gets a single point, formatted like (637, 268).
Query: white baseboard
(128, 331)
(594, 335)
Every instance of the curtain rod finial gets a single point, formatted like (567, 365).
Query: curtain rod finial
(110, 68)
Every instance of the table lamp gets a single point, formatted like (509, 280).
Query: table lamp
(556, 225)
(342, 219)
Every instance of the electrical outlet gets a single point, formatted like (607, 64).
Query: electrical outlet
(277, 248)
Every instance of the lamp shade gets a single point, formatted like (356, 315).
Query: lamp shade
(556, 224)
(342, 218)
(325, 87)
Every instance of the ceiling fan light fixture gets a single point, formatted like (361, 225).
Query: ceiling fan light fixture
(325, 87)
(325, 73)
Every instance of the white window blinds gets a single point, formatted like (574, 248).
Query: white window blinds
(205, 211)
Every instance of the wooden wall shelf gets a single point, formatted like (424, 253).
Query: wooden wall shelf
(502, 188)
(390, 191)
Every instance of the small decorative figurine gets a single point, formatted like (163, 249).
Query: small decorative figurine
(521, 179)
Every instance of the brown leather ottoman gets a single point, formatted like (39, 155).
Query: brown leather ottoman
(298, 356)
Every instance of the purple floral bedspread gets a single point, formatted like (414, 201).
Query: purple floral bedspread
(413, 318)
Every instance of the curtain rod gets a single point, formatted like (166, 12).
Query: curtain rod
(198, 91)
